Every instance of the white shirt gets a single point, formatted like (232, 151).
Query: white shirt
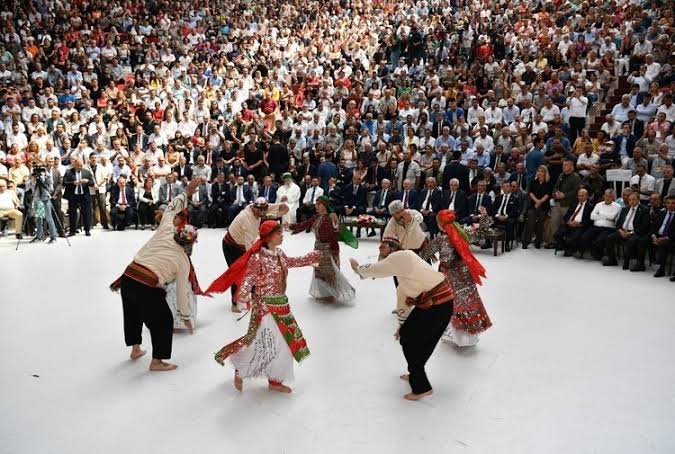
(606, 214)
(578, 106)
(579, 213)
(504, 204)
(630, 217)
(647, 183)
(410, 235)
(312, 194)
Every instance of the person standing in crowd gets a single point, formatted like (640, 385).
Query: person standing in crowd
(424, 302)
(273, 339)
(161, 260)
(77, 182)
(289, 195)
(564, 194)
(43, 187)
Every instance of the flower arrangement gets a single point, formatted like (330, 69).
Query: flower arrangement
(187, 234)
(365, 219)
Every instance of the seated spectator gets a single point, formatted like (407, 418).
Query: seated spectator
(122, 203)
(306, 209)
(220, 201)
(480, 199)
(198, 204)
(147, 204)
(576, 223)
(10, 207)
(407, 195)
(430, 203)
(506, 213)
(643, 183)
(632, 233)
(353, 200)
(240, 196)
(455, 199)
(664, 186)
(663, 236)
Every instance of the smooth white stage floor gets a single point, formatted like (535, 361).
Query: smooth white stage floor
(579, 360)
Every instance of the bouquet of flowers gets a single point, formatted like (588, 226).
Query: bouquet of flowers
(365, 219)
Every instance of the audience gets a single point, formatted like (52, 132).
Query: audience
(439, 104)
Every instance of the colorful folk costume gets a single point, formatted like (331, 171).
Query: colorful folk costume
(463, 271)
(424, 307)
(328, 283)
(273, 338)
(164, 260)
(243, 232)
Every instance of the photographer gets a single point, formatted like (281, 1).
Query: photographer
(42, 186)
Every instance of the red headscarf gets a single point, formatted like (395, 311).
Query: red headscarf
(235, 273)
(446, 220)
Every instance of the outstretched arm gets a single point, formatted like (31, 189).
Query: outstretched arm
(433, 247)
(395, 264)
(305, 260)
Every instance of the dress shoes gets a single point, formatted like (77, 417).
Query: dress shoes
(371, 233)
(524, 246)
(567, 254)
(507, 248)
(606, 261)
(626, 265)
(672, 279)
(87, 233)
(578, 255)
(638, 267)
(660, 273)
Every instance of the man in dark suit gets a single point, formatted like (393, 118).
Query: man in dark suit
(220, 195)
(77, 182)
(333, 192)
(268, 190)
(636, 127)
(140, 138)
(407, 195)
(240, 196)
(354, 201)
(122, 204)
(168, 191)
(633, 233)
(184, 169)
(663, 236)
(520, 177)
(576, 222)
(198, 204)
(455, 199)
(456, 169)
(624, 143)
(429, 204)
(480, 198)
(506, 212)
(383, 198)
(498, 156)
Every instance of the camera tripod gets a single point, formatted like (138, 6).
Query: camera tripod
(57, 222)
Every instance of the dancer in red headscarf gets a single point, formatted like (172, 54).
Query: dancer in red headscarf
(463, 271)
(273, 338)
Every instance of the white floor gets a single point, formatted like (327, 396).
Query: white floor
(579, 360)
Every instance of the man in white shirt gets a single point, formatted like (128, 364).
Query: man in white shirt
(611, 127)
(578, 105)
(604, 216)
(586, 160)
(643, 183)
(9, 204)
(474, 112)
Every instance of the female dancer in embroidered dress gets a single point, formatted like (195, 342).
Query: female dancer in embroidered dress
(273, 338)
(328, 284)
(463, 271)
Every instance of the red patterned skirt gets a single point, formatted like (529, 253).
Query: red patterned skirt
(469, 313)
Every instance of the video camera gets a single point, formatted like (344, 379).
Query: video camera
(38, 171)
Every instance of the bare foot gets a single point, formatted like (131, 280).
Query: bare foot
(280, 388)
(413, 396)
(137, 352)
(405, 377)
(158, 365)
(236, 309)
(238, 383)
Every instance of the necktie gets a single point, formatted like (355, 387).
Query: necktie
(311, 200)
(405, 199)
(479, 200)
(452, 200)
(520, 180)
(576, 212)
(428, 203)
(267, 193)
(78, 177)
(170, 192)
(502, 207)
(663, 231)
(384, 198)
(124, 196)
(629, 220)
(240, 195)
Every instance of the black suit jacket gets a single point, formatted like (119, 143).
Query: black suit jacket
(391, 195)
(493, 160)
(486, 202)
(184, 172)
(128, 192)
(69, 182)
(656, 225)
(351, 200)
(413, 196)
(637, 128)
(461, 203)
(134, 139)
(271, 193)
(523, 180)
(248, 194)
(585, 217)
(512, 207)
(456, 170)
(640, 221)
(436, 200)
(220, 194)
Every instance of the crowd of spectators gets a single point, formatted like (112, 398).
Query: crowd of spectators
(113, 105)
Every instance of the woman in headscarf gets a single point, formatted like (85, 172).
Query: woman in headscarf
(273, 338)
(328, 284)
(463, 271)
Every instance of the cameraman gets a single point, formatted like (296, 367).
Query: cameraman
(41, 184)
